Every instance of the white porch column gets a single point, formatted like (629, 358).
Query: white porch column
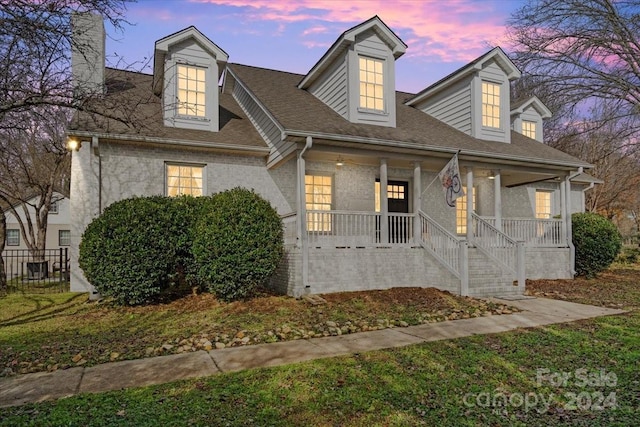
(384, 203)
(469, 204)
(563, 208)
(497, 198)
(417, 202)
(568, 204)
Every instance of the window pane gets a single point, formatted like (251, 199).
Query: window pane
(191, 90)
(490, 105)
(184, 180)
(318, 197)
(371, 83)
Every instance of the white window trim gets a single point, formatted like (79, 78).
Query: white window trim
(196, 165)
(385, 109)
(204, 117)
(501, 118)
(55, 207)
(550, 195)
(535, 128)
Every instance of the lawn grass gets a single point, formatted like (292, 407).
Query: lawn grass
(46, 332)
(439, 383)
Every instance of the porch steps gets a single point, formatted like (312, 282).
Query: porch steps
(486, 278)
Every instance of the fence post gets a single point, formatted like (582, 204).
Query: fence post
(61, 264)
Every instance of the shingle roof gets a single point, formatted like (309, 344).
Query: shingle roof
(138, 112)
(298, 110)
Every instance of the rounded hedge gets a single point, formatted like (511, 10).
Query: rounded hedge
(238, 244)
(597, 242)
(139, 250)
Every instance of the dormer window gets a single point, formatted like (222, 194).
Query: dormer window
(529, 129)
(191, 91)
(490, 105)
(371, 83)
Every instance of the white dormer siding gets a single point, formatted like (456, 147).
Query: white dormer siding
(332, 87)
(491, 76)
(458, 98)
(356, 76)
(369, 49)
(452, 105)
(190, 56)
(187, 68)
(527, 117)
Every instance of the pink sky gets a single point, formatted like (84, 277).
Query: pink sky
(442, 35)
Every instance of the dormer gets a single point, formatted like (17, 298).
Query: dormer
(527, 116)
(187, 68)
(474, 99)
(356, 76)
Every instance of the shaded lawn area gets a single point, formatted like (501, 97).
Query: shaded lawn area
(438, 383)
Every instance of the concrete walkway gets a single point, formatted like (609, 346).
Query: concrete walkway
(42, 386)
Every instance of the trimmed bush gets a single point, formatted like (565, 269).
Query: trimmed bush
(597, 242)
(139, 250)
(238, 244)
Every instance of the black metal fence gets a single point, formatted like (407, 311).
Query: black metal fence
(36, 271)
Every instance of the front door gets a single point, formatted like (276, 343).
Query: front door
(398, 202)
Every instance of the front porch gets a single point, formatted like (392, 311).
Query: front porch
(408, 236)
(343, 250)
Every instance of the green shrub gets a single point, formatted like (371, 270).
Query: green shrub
(139, 250)
(597, 242)
(628, 255)
(238, 244)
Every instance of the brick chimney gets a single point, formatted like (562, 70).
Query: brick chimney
(88, 53)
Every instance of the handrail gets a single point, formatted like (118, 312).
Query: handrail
(500, 247)
(438, 241)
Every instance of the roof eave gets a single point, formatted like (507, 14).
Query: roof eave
(430, 148)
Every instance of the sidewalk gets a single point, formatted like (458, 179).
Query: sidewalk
(42, 386)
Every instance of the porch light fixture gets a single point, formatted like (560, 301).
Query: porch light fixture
(491, 175)
(340, 161)
(73, 144)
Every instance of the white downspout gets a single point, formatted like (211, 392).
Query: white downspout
(302, 216)
(567, 201)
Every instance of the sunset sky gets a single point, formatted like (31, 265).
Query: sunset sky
(442, 35)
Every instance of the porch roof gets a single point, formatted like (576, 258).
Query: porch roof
(300, 113)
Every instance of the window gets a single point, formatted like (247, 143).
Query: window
(543, 204)
(529, 129)
(191, 91)
(371, 84)
(13, 237)
(53, 209)
(184, 179)
(393, 192)
(490, 105)
(461, 210)
(64, 238)
(318, 196)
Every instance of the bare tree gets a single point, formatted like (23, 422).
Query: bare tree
(34, 164)
(35, 51)
(579, 52)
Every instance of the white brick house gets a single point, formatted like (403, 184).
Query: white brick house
(348, 161)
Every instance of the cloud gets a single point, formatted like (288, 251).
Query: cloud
(455, 30)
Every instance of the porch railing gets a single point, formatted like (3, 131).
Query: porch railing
(497, 245)
(358, 229)
(443, 245)
(533, 231)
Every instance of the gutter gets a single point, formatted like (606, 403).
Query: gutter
(173, 141)
(451, 151)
